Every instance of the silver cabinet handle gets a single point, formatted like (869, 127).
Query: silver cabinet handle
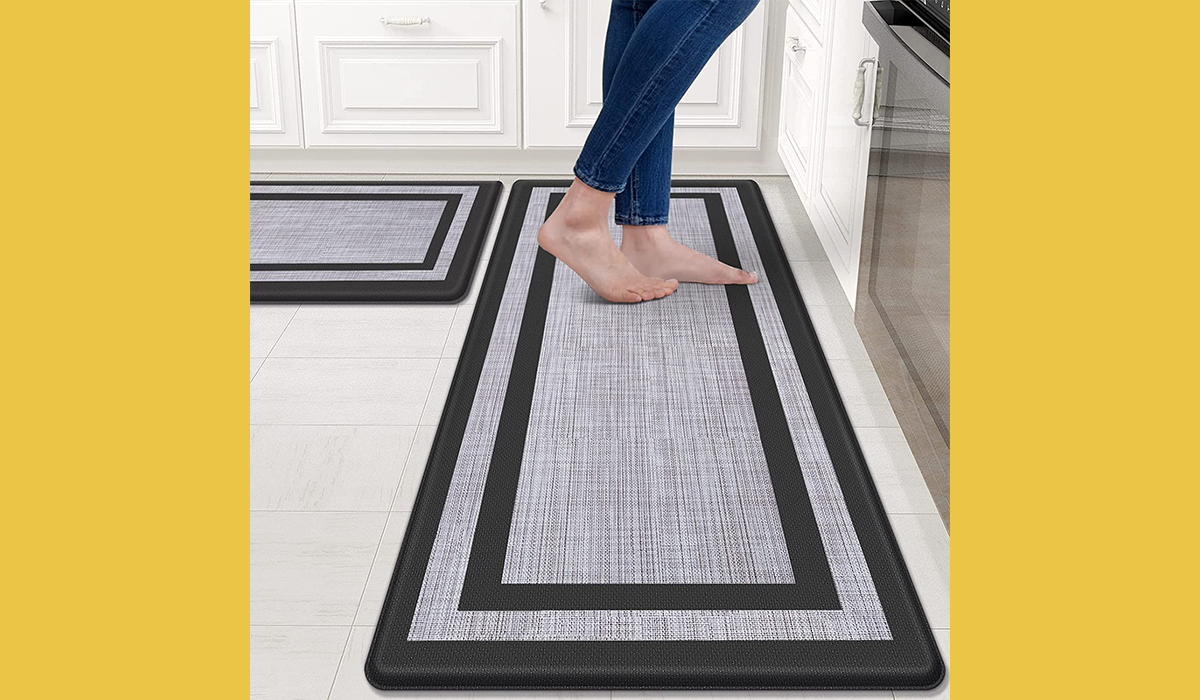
(860, 89)
(404, 21)
(794, 45)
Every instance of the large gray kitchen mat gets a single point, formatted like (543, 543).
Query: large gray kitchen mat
(366, 241)
(659, 495)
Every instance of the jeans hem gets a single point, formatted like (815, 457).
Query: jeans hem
(596, 184)
(641, 220)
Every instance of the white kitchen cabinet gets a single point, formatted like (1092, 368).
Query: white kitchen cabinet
(840, 193)
(274, 108)
(563, 49)
(437, 73)
(831, 177)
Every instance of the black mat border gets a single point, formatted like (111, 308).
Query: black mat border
(450, 205)
(909, 661)
(483, 586)
(453, 287)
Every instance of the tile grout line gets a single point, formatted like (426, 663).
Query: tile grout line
(373, 512)
(374, 558)
(285, 327)
(929, 441)
(350, 425)
(899, 471)
(448, 332)
(419, 426)
(436, 371)
(333, 683)
(343, 357)
(307, 624)
(350, 631)
(403, 470)
(412, 445)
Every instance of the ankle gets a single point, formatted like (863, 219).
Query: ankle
(583, 206)
(644, 235)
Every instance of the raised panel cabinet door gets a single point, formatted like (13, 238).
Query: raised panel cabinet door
(274, 108)
(842, 167)
(797, 133)
(803, 69)
(563, 45)
(438, 73)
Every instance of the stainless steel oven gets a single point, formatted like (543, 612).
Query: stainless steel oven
(903, 305)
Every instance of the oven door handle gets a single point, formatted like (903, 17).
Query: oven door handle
(860, 92)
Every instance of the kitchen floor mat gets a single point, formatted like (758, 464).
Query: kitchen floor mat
(366, 241)
(657, 495)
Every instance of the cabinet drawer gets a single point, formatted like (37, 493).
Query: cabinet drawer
(274, 113)
(432, 73)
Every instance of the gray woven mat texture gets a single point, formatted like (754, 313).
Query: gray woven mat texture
(643, 464)
(623, 481)
(352, 231)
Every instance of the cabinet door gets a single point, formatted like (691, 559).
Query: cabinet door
(803, 69)
(437, 73)
(563, 59)
(796, 134)
(274, 112)
(841, 183)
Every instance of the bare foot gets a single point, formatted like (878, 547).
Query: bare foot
(577, 234)
(652, 250)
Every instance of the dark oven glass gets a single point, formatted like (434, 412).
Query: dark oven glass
(903, 304)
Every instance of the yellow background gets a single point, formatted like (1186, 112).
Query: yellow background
(125, 400)
(125, 331)
(1074, 227)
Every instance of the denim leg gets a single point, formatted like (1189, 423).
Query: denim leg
(645, 199)
(623, 18)
(666, 51)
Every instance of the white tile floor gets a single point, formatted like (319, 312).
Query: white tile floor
(344, 403)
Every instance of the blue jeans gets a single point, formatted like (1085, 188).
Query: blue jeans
(653, 51)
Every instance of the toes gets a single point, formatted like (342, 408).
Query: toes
(732, 275)
(647, 290)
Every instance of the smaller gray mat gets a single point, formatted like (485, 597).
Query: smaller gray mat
(366, 241)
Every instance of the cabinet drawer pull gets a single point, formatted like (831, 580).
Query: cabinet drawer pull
(794, 45)
(404, 21)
